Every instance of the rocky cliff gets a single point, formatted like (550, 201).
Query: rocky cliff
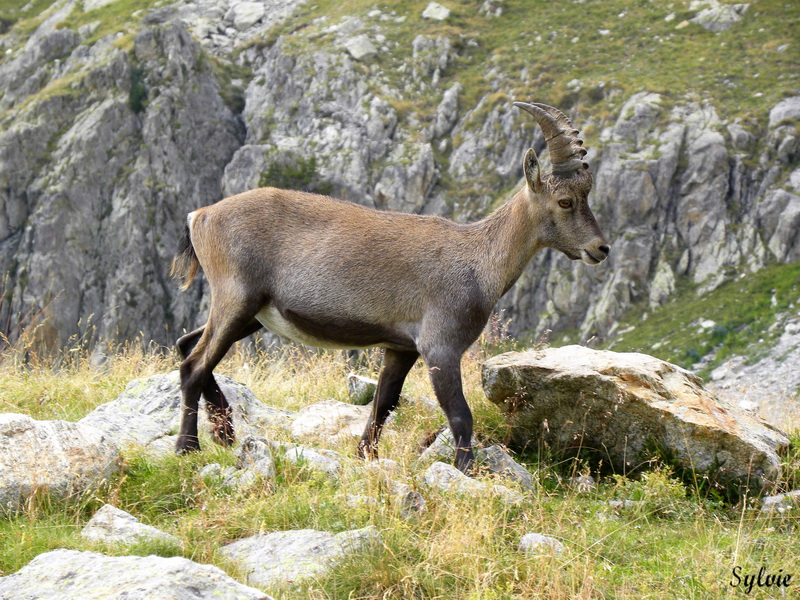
(115, 124)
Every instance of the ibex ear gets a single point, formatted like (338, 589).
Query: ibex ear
(530, 164)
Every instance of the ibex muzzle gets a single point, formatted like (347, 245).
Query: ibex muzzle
(338, 275)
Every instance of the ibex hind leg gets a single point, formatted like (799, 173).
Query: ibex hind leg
(219, 411)
(396, 366)
(202, 350)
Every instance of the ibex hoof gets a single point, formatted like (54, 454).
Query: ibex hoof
(186, 444)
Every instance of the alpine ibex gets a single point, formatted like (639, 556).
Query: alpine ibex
(334, 274)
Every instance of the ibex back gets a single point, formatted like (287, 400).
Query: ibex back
(334, 274)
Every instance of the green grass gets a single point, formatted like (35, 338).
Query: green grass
(679, 542)
(12, 11)
(746, 312)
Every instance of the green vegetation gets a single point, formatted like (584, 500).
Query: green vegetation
(233, 79)
(120, 16)
(137, 97)
(746, 313)
(609, 46)
(13, 11)
(293, 172)
(676, 541)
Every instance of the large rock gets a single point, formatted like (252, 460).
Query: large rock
(69, 574)
(121, 132)
(292, 556)
(149, 410)
(58, 457)
(115, 526)
(244, 15)
(626, 406)
(785, 110)
(435, 11)
(719, 17)
(360, 47)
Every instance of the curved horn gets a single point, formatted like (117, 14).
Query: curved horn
(566, 148)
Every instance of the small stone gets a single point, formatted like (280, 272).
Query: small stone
(507, 495)
(330, 419)
(211, 472)
(498, 461)
(781, 502)
(114, 526)
(436, 11)
(255, 455)
(447, 478)
(720, 17)
(361, 389)
(314, 460)
(537, 544)
(409, 500)
(583, 483)
(245, 14)
(292, 556)
(443, 447)
(360, 47)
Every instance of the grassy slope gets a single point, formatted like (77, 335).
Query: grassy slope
(607, 45)
(746, 312)
(681, 542)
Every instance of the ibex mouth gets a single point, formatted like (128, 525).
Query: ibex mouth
(590, 259)
(571, 256)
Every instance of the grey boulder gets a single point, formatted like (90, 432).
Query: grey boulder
(286, 557)
(115, 526)
(69, 574)
(626, 405)
(149, 411)
(59, 457)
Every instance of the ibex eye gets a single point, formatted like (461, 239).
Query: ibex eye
(565, 203)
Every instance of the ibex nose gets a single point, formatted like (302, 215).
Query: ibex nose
(604, 249)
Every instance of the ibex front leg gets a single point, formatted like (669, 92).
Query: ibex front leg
(444, 367)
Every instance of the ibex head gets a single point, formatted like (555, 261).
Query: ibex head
(560, 198)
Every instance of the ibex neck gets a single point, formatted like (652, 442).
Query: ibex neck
(509, 238)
